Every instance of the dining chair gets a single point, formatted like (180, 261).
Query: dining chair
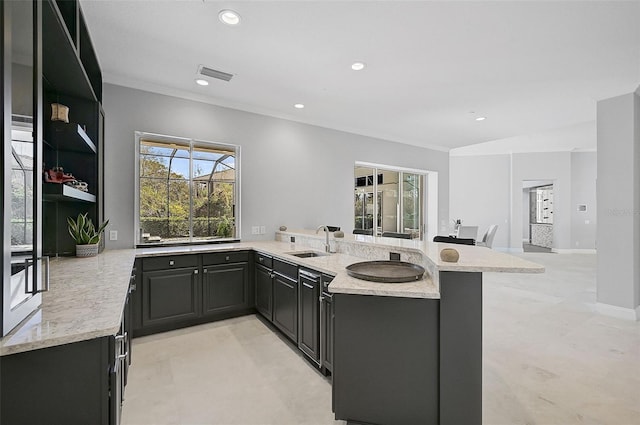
(487, 239)
(467, 232)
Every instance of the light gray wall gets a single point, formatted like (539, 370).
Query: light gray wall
(554, 166)
(583, 192)
(292, 174)
(479, 194)
(618, 191)
(488, 189)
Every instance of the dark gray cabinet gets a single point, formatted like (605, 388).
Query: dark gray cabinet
(309, 314)
(73, 384)
(326, 325)
(170, 296)
(225, 287)
(189, 289)
(285, 298)
(264, 291)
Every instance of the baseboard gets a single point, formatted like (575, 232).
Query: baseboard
(512, 250)
(618, 312)
(573, 251)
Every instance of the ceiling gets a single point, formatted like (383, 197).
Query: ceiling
(432, 67)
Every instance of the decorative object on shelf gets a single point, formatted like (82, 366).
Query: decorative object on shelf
(78, 184)
(456, 224)
(449, 255)
(338, 234)
(57, 175)
(85, 235)
(283, 228)
(59, 112)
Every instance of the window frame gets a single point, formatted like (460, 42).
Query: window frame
(141, 135)
(428, 194)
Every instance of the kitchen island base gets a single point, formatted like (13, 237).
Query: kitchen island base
(410, 360)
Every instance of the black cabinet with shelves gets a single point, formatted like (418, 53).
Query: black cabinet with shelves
(71, 77)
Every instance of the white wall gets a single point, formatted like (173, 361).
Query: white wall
(479, 194)
(583, 192)
(554, 166)
(292, 174)
(618, 190)
(488, 189)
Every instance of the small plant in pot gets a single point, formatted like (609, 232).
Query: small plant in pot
(86, 235)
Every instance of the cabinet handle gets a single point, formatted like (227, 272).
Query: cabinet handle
(227, 258)
(132, 288)
(306, 285)
(205, 271)
(195, 271)
(171, 262)
(27, 263)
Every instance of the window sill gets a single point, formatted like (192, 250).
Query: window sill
(164, 244)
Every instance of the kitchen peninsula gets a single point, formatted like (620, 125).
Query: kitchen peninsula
(88, 300)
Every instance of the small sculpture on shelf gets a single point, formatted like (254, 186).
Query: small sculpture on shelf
(59, 112)
(57, 175)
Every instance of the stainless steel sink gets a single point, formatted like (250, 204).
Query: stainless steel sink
(307, 254)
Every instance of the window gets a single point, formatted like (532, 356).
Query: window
(187, 190)
(391, 204)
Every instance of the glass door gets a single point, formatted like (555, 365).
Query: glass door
(412, 204)
(22, 162)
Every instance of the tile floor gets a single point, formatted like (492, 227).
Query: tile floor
(548, 359)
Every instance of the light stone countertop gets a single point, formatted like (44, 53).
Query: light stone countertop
(85, 301)
(87, 295)
(472, 258)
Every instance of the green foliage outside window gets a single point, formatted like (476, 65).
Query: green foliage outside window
(173, 201)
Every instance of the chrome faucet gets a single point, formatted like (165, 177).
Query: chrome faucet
(327, 247)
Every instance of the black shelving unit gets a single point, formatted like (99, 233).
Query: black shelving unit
(65, 193)
(71, 77)
(69, 137)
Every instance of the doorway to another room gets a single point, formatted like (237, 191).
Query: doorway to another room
(537, 229)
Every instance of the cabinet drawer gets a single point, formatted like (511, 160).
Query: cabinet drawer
(225, 257)
(286, 269)
(263, 259)
(169, 262)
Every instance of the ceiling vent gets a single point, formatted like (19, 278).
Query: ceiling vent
(214, 73)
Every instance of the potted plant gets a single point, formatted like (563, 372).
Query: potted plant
(85, 234)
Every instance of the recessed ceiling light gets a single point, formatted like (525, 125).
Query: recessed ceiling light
(229, 17)
(357, 66)
(298, 106)
(481, 118)
(202, 82)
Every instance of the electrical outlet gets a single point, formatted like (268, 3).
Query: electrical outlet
(263, 230)
(255, 230)
(113, 235)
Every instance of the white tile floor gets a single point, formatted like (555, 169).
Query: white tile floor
(548, 359)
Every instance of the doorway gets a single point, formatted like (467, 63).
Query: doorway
(537, 229)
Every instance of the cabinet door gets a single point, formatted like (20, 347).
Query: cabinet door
(285, 306)
(309, 317)
(264, 292)
(327, 334)
(170, 296)
(226, 288)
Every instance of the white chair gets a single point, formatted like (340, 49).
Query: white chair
(467, 232)
(487, 239)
